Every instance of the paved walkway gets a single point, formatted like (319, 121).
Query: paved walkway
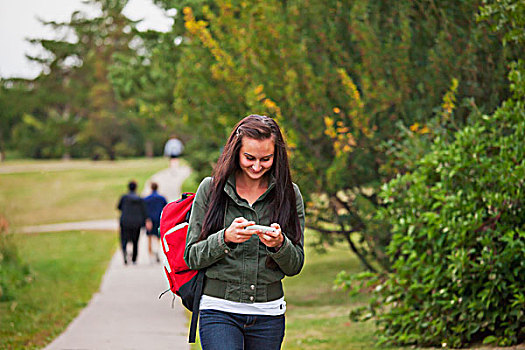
(105, 225)
(126, 313)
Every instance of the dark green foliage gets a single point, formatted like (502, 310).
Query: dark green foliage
(506, 16)
(458, 225)
(13, 104)
(53, 137)
(458, 244)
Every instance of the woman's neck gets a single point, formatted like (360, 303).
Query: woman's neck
(243, 181)
(250, 189)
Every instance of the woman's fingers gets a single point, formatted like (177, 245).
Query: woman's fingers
(272, 239)
(237, 233)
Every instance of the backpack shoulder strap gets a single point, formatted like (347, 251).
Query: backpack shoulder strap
(196, 306)
(198, 294)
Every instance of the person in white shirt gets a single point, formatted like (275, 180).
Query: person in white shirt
(173, 149)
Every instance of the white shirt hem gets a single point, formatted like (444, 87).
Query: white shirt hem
(270, 308)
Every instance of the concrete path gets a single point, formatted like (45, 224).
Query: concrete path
(104, 225)
(126, 313)
(169, 180)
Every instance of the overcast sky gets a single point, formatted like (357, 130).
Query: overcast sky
(18, 21)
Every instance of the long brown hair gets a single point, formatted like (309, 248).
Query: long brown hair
(282, 196)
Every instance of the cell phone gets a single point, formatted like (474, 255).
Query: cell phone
(260, 227)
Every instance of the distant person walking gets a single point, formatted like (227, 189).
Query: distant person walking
(133, 217)
(154, 205)
(173, 149)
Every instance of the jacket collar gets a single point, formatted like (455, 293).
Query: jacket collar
(230, 189)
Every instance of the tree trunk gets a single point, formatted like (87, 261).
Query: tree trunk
(2, 149)
(149, 148)
(359, 255)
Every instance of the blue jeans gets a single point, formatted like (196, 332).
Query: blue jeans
(220, 330)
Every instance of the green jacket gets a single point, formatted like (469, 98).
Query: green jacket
(238, 272)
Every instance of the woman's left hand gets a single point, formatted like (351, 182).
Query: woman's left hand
(272, 239)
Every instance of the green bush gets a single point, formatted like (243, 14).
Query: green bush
(13, 273)
(458, 244)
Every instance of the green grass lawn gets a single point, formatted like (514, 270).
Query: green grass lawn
(66, 269)
(43, 192)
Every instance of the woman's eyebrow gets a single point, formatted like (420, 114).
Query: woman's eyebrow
(249, 155)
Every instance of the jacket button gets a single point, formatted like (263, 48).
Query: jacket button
(251, 298)
(252, 287)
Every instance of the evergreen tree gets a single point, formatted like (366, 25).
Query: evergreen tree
(144, 80)
(74, 98)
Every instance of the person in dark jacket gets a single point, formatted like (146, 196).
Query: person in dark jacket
(154, 204)
(243, 305)
(133, 217)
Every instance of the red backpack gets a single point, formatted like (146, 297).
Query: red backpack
(183, 281)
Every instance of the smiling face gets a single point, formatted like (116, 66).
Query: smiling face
(256, 157)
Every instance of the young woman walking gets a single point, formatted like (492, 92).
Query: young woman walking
(243, 303)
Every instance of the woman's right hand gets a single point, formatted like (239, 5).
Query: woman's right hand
(237, 233)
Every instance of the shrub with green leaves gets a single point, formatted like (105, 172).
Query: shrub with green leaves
(458, 245)
(13, 272)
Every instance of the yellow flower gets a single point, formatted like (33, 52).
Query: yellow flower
(424, 130)
(269, 103)
(336, 110)
(347, 149)
(414, 127)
